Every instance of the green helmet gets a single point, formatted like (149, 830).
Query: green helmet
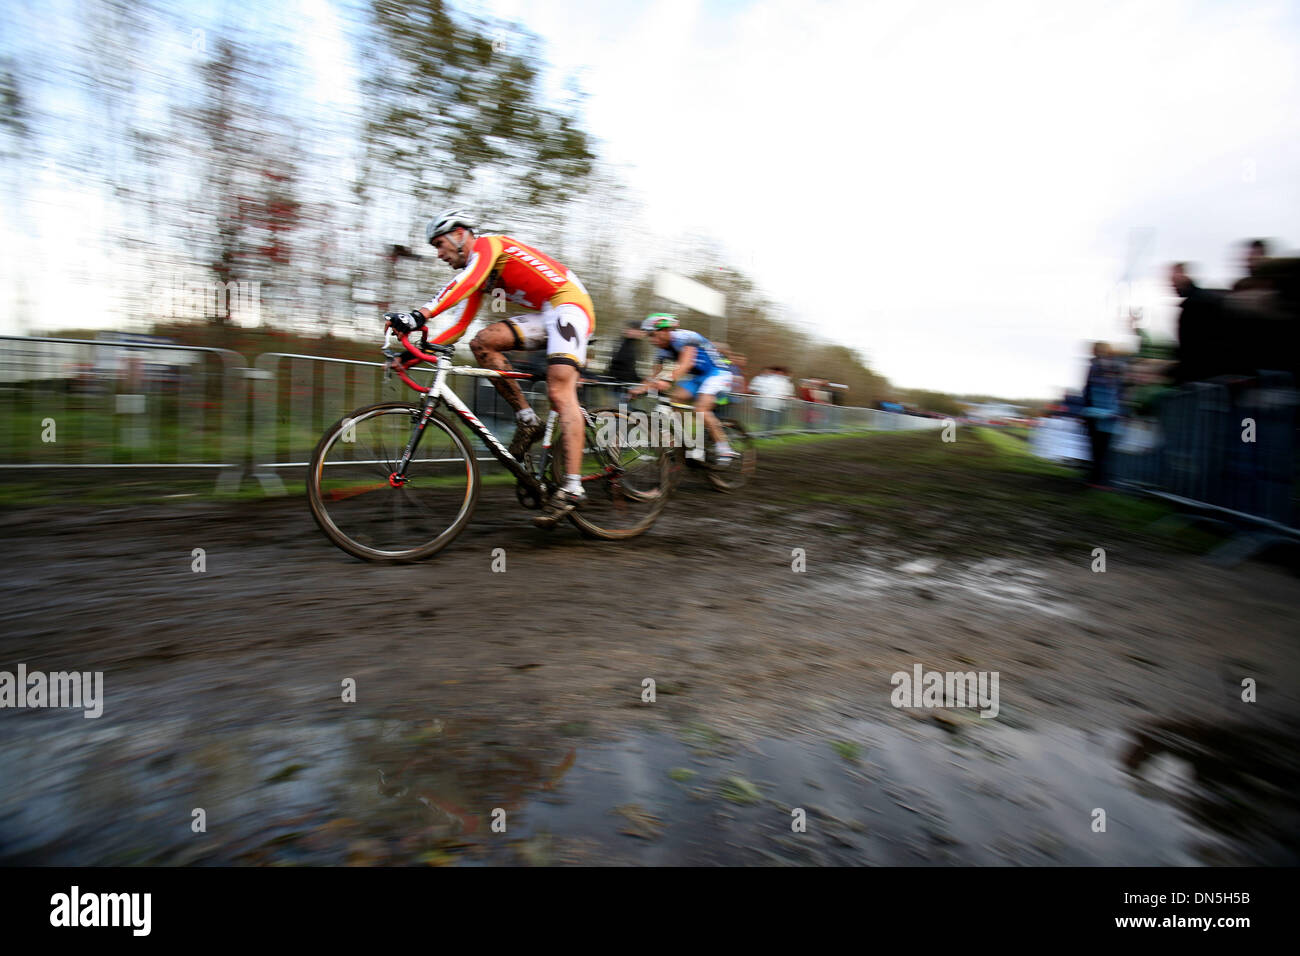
(660, 320)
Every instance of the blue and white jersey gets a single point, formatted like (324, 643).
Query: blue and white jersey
(708, 359)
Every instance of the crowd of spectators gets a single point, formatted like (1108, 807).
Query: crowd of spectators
(1226, 336)
(1238, 331)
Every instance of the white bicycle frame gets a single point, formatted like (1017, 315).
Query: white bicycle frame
(440, 391)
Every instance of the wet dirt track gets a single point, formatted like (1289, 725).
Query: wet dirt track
(485, 697)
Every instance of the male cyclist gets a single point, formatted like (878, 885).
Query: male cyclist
(565, 322)
(700, 376)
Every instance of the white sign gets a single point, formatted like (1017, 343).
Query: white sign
(690, 293)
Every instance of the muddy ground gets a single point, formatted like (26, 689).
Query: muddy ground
(515, 699)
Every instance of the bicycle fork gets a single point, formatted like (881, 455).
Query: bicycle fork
(419, 421)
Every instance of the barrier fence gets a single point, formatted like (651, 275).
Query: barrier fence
(87, 404)
(768, 417)
(82, 403)
(296, 397)
(1228, 448)
(795, 416)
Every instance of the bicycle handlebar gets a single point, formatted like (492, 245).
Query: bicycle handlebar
(416, 356)
(405, 339)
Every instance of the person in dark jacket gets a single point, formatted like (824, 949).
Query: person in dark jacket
(1265, 304)
(1204, 350)
(622, 367)
(1101, 409)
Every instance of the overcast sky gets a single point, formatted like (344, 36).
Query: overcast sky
(956, 189)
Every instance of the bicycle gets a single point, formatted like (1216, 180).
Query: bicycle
(377, 499)
(723, 477)
(737, 474)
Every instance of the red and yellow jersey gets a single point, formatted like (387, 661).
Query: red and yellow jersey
(528, 278)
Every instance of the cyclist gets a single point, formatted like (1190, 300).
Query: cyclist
(565, 320)
(702, 374)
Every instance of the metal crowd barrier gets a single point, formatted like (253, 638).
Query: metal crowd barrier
(84, 403)
(795, 416)
(296, 397)
(80, 403)
(1223, 448)
(791, 416)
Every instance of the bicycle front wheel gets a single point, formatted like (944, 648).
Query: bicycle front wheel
(737, 474)
(627, 480)
(369, 512)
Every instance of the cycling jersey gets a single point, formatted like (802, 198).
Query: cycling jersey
(528, 278)
(708, 359)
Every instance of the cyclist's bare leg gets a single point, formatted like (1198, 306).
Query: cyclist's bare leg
(488, 347)
(704, 408)
(562, 387)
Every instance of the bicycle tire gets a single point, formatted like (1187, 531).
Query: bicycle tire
(646, 481)
(735, 476)
(627, 488)
(359, 510)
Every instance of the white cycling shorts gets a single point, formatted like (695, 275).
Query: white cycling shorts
(562, 329)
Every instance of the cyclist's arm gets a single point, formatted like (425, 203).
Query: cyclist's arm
(685, 362)
(454, 332)
(467, 288)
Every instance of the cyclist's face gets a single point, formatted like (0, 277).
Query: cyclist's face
(447, 251)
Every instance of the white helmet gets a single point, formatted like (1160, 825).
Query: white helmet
(445, 222)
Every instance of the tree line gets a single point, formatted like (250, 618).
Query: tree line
(211, 154)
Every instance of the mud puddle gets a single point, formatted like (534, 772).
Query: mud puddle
(998, 585)
(963, 790)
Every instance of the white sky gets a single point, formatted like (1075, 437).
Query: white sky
(950, 188)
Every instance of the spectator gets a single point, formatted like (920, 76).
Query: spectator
(806, 400)
(1253, 259)
(1101, 409)
(1282, 273)
(622, 367)
(812, 392)
(1201, 343)
(1263, 311)
(774, 390)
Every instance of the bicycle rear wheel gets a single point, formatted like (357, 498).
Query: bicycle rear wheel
(737, 474)
(372, 516)
(627, 482)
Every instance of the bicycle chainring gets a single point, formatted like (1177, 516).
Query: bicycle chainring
(528, 497)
